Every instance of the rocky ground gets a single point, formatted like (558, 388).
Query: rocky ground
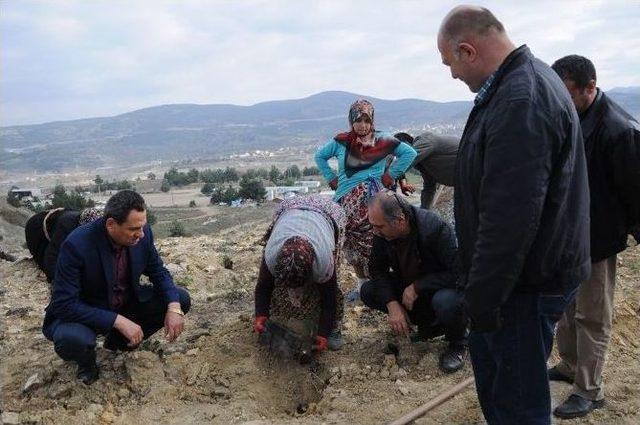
(215, 373)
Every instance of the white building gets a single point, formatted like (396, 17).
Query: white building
(312, 184)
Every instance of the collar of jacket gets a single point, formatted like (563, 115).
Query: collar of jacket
(514, 59)
(590, 119)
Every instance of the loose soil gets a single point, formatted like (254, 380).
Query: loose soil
(216, 373)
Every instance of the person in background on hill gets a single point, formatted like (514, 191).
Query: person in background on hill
(436, 161)
(413, 276)
(46, 231)
(96, 287)
(299, 268)
(612, 145)
(521, 211)
(361, 154)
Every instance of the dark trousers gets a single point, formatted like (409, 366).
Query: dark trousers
(77, 342)
(435, 313)
(510, 364)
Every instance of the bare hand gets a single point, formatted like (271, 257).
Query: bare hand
(406, 188)
(397, 318)
(409, 296)
(131, 330)
(173, 323)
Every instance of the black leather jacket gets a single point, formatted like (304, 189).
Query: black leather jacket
(522, 195)
(612, 145)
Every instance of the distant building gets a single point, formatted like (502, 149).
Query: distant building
(280, 191)
(312, 184)
(27, 193)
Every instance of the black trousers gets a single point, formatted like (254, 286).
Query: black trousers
(435, 313)
(76, 341)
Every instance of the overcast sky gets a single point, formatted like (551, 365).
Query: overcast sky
(68, 59)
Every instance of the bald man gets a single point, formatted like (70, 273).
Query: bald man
(521, 209)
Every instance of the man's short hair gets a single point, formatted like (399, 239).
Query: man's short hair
(477, 21)
(392, 206)
(404, 137)
(576, 68)
(122, 203)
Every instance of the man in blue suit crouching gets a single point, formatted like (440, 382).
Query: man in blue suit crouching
(96, 288)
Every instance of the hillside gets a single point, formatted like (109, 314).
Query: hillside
(176, 132)
(215, 373)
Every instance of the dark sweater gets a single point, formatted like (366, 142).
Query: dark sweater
(433, 266)
(328, 292)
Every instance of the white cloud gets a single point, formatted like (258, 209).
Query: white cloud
(107, 57)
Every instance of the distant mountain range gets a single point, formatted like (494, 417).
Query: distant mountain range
(178, 132)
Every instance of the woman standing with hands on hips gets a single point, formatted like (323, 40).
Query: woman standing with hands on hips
(361, 154)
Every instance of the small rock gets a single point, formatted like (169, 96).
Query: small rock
(389, 360)
(384, 373)
(18, 311)
(32, 383)
(108, 416)
(334, 379)
(220, 391)
(60, 392)
(123, 392)
(192, 352)
(11, 418)
(403, 390)
(399, 373)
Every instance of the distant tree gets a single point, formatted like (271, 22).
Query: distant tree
(274, 174)
(193, 175)
(165, 187)
(176, 178)
(292, 172)
(151, 217)
(72, 201)
(12, 198)
(177, 229)
(311, 171)
(224, 195)
(231, 175)
(99, 182)
(252, 189)
(151, 176)
(207, 189)
(122, 184)
(192, 203)
(289, 181)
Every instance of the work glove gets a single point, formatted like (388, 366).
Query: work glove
(406, 188)
(259, 324)
(333, 184)
(321, 343)
(387, 180)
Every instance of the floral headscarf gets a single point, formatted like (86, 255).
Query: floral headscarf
(87, 215)
(294, 267)
(363, 152)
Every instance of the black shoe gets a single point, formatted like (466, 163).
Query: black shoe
(452, 359)
(576, 407)
(88, 372)
(555, 375)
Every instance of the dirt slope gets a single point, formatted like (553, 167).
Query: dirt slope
(216, 374)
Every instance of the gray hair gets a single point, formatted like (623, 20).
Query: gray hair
(393, 207)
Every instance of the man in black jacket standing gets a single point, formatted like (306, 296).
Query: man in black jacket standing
(413, 277)
(612, 145)
(521, 210)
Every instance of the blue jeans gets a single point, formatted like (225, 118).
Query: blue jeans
(77, 342)
(510, 364)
